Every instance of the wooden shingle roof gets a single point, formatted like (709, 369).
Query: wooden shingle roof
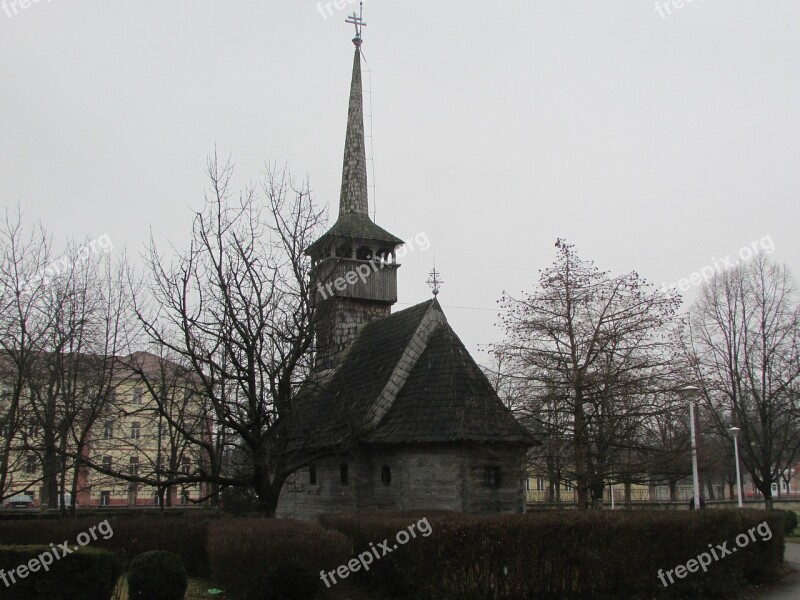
(407, 378)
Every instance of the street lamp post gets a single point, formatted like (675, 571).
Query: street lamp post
(735, 431)
(689, 393)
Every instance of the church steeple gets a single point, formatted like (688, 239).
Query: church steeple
(353, 197)
(353, 264)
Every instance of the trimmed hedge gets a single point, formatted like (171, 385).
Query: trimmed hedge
(566, 555)
(185, 535)
(156, 575)
(86, 574)
(258, 558)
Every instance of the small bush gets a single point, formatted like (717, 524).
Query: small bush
(157, 575)
(274, 559)
(87, 574)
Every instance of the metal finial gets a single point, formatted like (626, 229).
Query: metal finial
(358, 22)
(434, 281)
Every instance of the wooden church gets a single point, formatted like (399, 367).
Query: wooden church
(397, 414)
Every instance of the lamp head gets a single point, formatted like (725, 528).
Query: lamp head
(689, 392)
(735, 431)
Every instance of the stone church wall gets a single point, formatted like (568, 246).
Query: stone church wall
(440, 477)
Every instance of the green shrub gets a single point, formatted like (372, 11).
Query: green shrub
(257, 558)
(568, 555)
(156, 575)
(87, 574)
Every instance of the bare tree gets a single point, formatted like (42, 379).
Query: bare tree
(743, 344)
(236, 311)
(598, 349)
(24, 264)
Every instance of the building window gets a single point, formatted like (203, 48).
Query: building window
(491, 477)
(112, 396)
(527, 484)
(186, 465)
(312, 475)
(133, 468)
(343, 474)
(32, 427)
(108, 430)
(364, 253)
(136, 429)
(568, 486)
(541, 484)
(386, 475)
(107, 463)
(30, 463)
(184, 497)
(3, 429)
(187, 395)
(105, 498)
(137, 395)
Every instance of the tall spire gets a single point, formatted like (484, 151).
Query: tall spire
(353, 198)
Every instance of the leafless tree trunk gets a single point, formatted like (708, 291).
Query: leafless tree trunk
(235, 310)
(23, 327)
(743, 344)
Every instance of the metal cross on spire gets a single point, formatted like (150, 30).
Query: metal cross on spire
(358, 22)
(434, 281)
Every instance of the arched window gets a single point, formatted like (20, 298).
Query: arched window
(364, 253)
(344, 251)
(386, 475)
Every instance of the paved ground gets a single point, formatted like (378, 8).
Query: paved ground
(789, 587)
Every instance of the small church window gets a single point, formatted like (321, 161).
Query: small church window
(312, 475)
(343, 475)
(344, 251)
(386, 475)
(491, 477)
(364, 253)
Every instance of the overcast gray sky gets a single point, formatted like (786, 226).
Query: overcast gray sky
(653, 139)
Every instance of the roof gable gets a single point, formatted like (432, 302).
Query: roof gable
(408, 378)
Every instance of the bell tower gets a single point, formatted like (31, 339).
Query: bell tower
(353, 264)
